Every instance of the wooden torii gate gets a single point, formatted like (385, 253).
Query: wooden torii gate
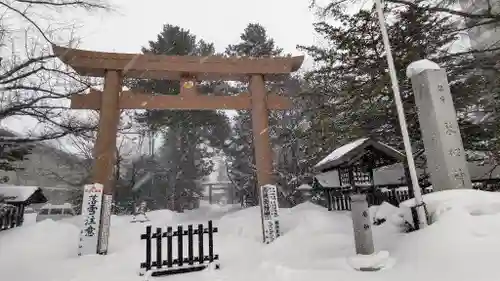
(188, 70)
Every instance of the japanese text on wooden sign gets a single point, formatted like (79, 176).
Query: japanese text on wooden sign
(91, 213)
(105, 223)
(270, 216)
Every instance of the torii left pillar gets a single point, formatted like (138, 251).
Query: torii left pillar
(261, 141)
(260, 131)
(105, 151)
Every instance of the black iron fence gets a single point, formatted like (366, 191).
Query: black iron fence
(176, 259)
(342, 201)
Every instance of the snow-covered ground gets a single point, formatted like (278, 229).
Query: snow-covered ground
(462, 244)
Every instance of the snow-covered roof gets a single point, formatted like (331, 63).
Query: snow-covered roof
(347, 151)
(341, 151)
(18, 194)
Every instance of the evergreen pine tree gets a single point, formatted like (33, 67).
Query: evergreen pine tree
(187, 134)
(353, 75)
(254, 43)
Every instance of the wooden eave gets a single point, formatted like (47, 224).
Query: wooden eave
(358, 152)
(90, 63)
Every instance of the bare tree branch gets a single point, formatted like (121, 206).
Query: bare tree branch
(34, 84)
(23, 15)
(76, 4)
(25, 64)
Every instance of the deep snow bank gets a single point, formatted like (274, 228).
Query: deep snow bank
(475, 202)
(462, 244)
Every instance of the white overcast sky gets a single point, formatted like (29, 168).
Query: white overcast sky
(136, 22)
(221, 22)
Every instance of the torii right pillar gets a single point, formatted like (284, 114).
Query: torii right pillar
(444, 149)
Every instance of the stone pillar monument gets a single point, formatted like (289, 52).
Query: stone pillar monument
(438, 122)
(363, 238)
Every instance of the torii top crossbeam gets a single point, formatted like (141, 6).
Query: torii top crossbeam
(89, 63)
(184, 68)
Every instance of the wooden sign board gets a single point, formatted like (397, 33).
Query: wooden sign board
(107, 204)
(91, 213)
(270, 212)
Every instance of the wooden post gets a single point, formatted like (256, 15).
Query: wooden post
(231, 192)
(261, 141)
(329, 199)
(210, 194)
(411, 193)
(105, 148)
(260, 130)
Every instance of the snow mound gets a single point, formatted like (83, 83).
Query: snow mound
(162, 216)
(41, 237)
(385, 211)
(474, 202)
(376, 261)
